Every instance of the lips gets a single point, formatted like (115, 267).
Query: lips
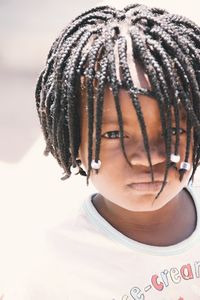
(146, 186)
(146, 178)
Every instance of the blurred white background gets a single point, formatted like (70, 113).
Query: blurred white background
(32, 196)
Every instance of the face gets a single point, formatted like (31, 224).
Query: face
(128, 186)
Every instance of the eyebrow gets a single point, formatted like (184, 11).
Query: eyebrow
(113, 121)
(182, 116)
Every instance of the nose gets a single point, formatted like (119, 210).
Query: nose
(139, 156)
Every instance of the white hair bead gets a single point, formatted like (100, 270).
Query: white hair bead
(95, 165)
(175, 158)
(185, 165)
(74, 170)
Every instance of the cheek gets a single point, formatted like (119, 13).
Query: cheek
(109, 149)
(183, 150)
(112, 158)
(112, 162)
(182, 146)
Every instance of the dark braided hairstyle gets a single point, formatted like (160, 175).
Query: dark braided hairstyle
(167, 46)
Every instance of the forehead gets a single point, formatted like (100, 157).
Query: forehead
(149, 107)
(138, 74)
(140, 80)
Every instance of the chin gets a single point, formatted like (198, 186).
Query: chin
(144, 202)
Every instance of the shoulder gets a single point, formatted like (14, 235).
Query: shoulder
(75, 231)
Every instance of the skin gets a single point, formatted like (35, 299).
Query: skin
(164, 221)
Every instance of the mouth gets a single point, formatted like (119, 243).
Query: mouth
(146, 186)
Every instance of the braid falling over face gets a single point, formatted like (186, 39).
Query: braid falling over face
(167, 46)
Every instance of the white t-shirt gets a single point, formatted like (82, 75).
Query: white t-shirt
(87, 259)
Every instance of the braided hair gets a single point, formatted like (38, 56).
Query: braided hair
(167, 46)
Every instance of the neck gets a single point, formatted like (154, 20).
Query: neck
(166, 226)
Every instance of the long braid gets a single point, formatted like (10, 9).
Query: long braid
(102, 80)
(114, 84)
(122, 48)
(167, 65)
(164, 90)
(90, 77)
(147, 61)
(67, 97)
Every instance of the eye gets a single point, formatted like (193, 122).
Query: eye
(181, 130)
(174, 130)
(112, 135)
